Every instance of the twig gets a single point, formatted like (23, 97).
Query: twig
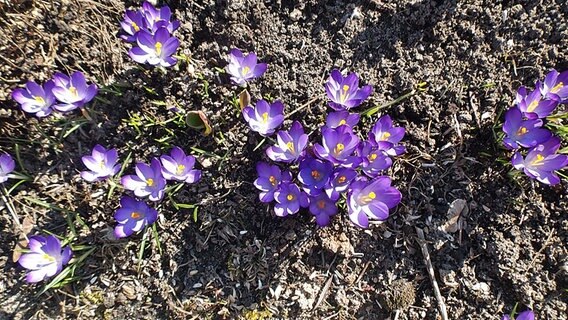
(324, 291)
(302, 106)
(430, 269)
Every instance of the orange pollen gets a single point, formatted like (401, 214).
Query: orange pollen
(321, 204)
(272, 180)
(135, 215)
(316, 174)
(522, 131)
(342, 179)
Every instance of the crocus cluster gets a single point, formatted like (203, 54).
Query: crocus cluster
(149, 181)
(525, 315)
(45, 258)
(150, 31)
(7, 166)
(244, 68)
(341, 164)
(62, 93)
(525, 132)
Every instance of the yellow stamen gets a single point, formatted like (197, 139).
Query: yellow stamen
(338, 148)
(522, 131)
(272, 180)
(180, 168)
(47, 257)
(557, 87)
(343, 94)
(102, 164)
(158, 47)
(135, 215)
(150, 182)
(372, 157)
(135, 26)
(372, 195)
(321, 204)
(538, 160)
(316, 174)
(265, 117)
(342, 122)
(245, 71)
(73, 91)
(290, 197)
(342, 179)
(39, 99)
(290, 147)
(532, 106)
(385, 136)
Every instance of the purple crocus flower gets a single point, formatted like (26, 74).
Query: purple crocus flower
(179, 166)
(155, 49)
(387, 137)
(555, 86)
(148, 181)
(269, 179)
(373, 160)
(264, 118)
(314, 175)
(371, 200)
(339, 182)
(158, 18)
(133, 216)
(102, 163)
(72, 92)
(525, 133)
(244, 68)
(338, 146)
(525, 315)
(7, 165)
(133, 22)
(290, 144)
(339, 118)
(35, 98)
(289, 198)
(323, 209)
(541, 162)
(532, 104)
(45, 259)
(345, 93)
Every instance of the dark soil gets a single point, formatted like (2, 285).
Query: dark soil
(238, 260)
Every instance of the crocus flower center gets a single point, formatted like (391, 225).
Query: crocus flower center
(158, 47)
(385, 136)
(73, 91)
(180, 168)
(102, 164)
(316, 175)
(290, 147)
(522, 131)
(368, 198)
(538, 159)
(338, 148)
(150, 182)
(265, 117)
(39, 99)
(135, 26)
(245, 71)
(272, 180)
(342, 179)
(372, 157)
(343, 94)
(135, 215)
(532, 106)
(290, 197)
(47, 257)
(342, 122)
(372, 195)
(321, 204)
(557, 87)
